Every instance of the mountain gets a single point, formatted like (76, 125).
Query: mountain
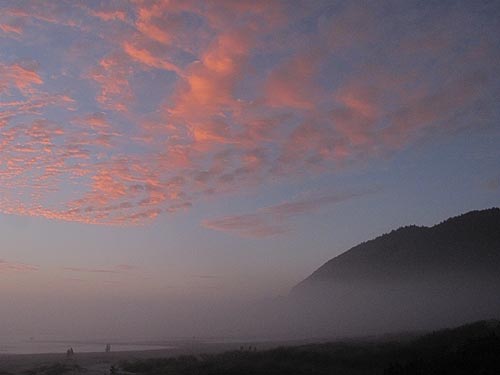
(468, 244)
(411, 278)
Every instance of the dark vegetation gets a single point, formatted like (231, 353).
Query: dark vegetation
(469, 349)
(55, 369)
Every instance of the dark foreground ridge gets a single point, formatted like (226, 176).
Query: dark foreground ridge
(469, 349)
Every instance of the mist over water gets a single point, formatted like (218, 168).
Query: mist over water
(326, 311)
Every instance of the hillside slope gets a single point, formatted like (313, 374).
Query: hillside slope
(411, 278)
(466, 245)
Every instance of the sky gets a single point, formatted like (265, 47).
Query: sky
(223, 150)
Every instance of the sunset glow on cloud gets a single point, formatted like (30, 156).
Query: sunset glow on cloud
(121, 112)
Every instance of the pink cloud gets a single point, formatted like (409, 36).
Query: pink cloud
(145, 56)
(16, 267)
(168, 102)
(112, 75)
(246, 225)
(18, 76)
(303, 91)
(12, 28)
(493, 184)
(118, 269)
(110, 14)
(275, 220)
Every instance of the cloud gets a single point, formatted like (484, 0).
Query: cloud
(12, 28)
(275, 220)
(246, 225)
(293, 83)
(215, 277)
(118, 269)
(113, 75)
(493, 184)
(145, 56)
(159, 104)
(16, 267)
(23, 78)
(110, 14)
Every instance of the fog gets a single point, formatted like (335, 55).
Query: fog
(328, 311)
(360, 309)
